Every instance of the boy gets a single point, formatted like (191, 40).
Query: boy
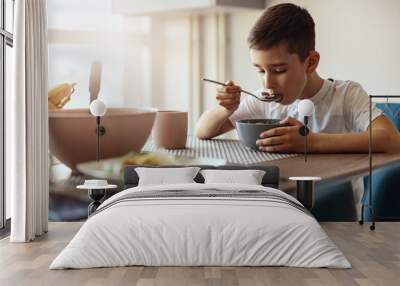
(282, 48)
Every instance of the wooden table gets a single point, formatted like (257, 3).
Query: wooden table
(330, 167)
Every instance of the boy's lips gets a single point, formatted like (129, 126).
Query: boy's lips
(270, 96)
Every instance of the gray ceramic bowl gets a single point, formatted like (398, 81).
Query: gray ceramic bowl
(249, 130)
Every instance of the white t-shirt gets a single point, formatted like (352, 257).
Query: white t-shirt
(340, 107)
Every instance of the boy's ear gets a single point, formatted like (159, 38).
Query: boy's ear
(313, 60)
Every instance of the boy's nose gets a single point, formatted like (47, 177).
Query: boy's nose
(269, 81)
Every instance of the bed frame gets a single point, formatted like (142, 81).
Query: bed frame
(270, 179)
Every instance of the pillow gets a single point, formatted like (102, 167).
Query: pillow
(249, 177)
(162, 176)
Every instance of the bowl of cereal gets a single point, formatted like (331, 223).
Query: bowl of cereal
(249, 130)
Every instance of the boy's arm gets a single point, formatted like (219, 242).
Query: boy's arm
(213, 123)
(216, 121)
(385, 138)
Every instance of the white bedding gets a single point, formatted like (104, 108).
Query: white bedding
(183, 231)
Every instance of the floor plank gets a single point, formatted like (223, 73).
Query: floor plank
(374, 255)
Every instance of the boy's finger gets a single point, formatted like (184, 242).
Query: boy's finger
(222, 96)
(230, 82)
(231, 88)
(276, 140)
(281, 148)
(275, 132)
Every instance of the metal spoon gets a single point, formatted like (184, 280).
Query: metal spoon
(266, 96)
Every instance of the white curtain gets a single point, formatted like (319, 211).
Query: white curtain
(28, 123)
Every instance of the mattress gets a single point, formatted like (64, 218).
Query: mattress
(201, 225)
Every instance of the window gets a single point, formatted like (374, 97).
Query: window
(6, 43)
(79, 33)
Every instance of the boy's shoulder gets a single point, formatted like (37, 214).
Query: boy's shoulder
(348, 88)
(339, 83)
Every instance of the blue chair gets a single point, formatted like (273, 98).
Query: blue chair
(385, 182)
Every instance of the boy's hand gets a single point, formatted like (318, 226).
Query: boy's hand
(229, 96)
(283, 139)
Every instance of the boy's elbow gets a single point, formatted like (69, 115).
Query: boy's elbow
(203, 137)
(385, 136)
(200, 133)
(390, 142)
(385, 141)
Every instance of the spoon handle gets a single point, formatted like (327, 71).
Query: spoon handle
(214, 81)
(266, 99)
(223, 84)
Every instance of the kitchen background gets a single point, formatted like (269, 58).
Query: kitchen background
(155, 52)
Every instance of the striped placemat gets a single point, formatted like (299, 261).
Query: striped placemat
(230, 150)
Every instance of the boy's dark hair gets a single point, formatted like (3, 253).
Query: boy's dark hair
(284, 23)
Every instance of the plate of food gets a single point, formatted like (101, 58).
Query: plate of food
(112, 168)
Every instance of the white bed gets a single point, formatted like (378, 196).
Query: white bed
(249, 225)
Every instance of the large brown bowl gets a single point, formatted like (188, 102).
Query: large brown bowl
(72, 133)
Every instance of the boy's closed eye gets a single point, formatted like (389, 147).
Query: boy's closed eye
(279, 70)
(273, 71)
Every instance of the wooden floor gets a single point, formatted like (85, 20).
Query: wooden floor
(374, 255)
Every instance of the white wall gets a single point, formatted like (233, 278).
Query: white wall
(358, 40)
(242, 70)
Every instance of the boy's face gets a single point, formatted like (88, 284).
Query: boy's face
(281, 72)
